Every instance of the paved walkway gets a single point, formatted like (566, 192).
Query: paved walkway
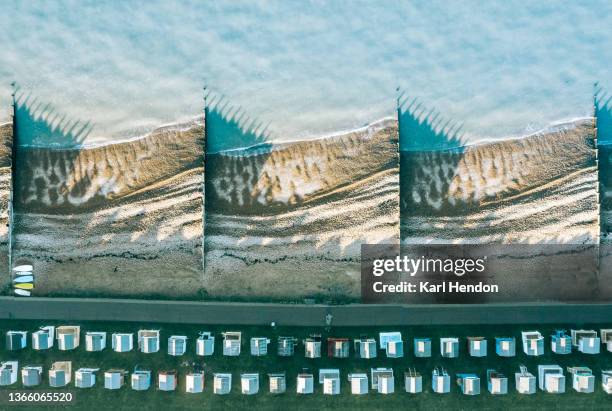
(191, 312)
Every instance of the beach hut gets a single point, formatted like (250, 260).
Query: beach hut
(166, 380)
(43, 338)
(525, 381)
(85, 377)
(330, 378)
(583, 379)
(231, 343)
(606, 338)
(114, 379)
(422, 347)
(305, 383)
(586, 341)
(413, 381)
(551, 379)
(95, 340)
(312, 346)
(194, 382)
(382, 380)
(8, 372)
(359, 383)
(505, 346)
(222, 383)
(140, 380)
(560, 342)
(338, 347)
(365, 348)
(278, 383)
(122, 342)
(286, 346)
(449, 347)
(606, 381)
(68, 337)
(259, 346)
(177, 345)
(16, 340)
(148, 341)
(533, 343)
(31, 376)
(60, 373)
(391, 343)
(469, 384)
(477, 346)
(497, 383)
(205, 344)
(440, 381)
(249, 383)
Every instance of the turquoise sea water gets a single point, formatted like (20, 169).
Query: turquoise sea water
(307, 68)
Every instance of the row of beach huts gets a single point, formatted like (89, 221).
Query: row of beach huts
(391, 343)
(551, 379)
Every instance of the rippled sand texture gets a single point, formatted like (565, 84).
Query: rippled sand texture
(6, 137)
(289, 223)
(538, 189)
(122, 219)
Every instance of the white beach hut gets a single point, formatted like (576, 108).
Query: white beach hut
(422, 347)
(16, 340)
(497, 383)
(95, 340)
(231, 343)
(140, 380)
(586, 341)
(122, 342)
(382, 380)
(469, 384)
(205, 344)
(525, 381)
(533, 343)
(278, 383)
(68, 337)
(413, 381)
(359, 383)
(85, 377)
(305, 383)
(31, 376)
(365, 348)
(312, 346)
(249, 383)
(505, 346)
(477, 346)
(560, 342)
(8, 372)
(286, 346)
(606, 338)
(440, 381)
(551, 379)
(330, 378)
(167, 380)
(60, 373)
(449, 347)
(583, 379)
(606, 381)
(259, 346)
(177, 345)
(114, 379)
(222, 383)
(391, 343)
(194, 382)
(43, 338)
(148, 341)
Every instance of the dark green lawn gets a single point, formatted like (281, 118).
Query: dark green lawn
(98, 398)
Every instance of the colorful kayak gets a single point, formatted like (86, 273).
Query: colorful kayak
(25, 286)
(24, 279)
(22, 293)
(24, 267)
